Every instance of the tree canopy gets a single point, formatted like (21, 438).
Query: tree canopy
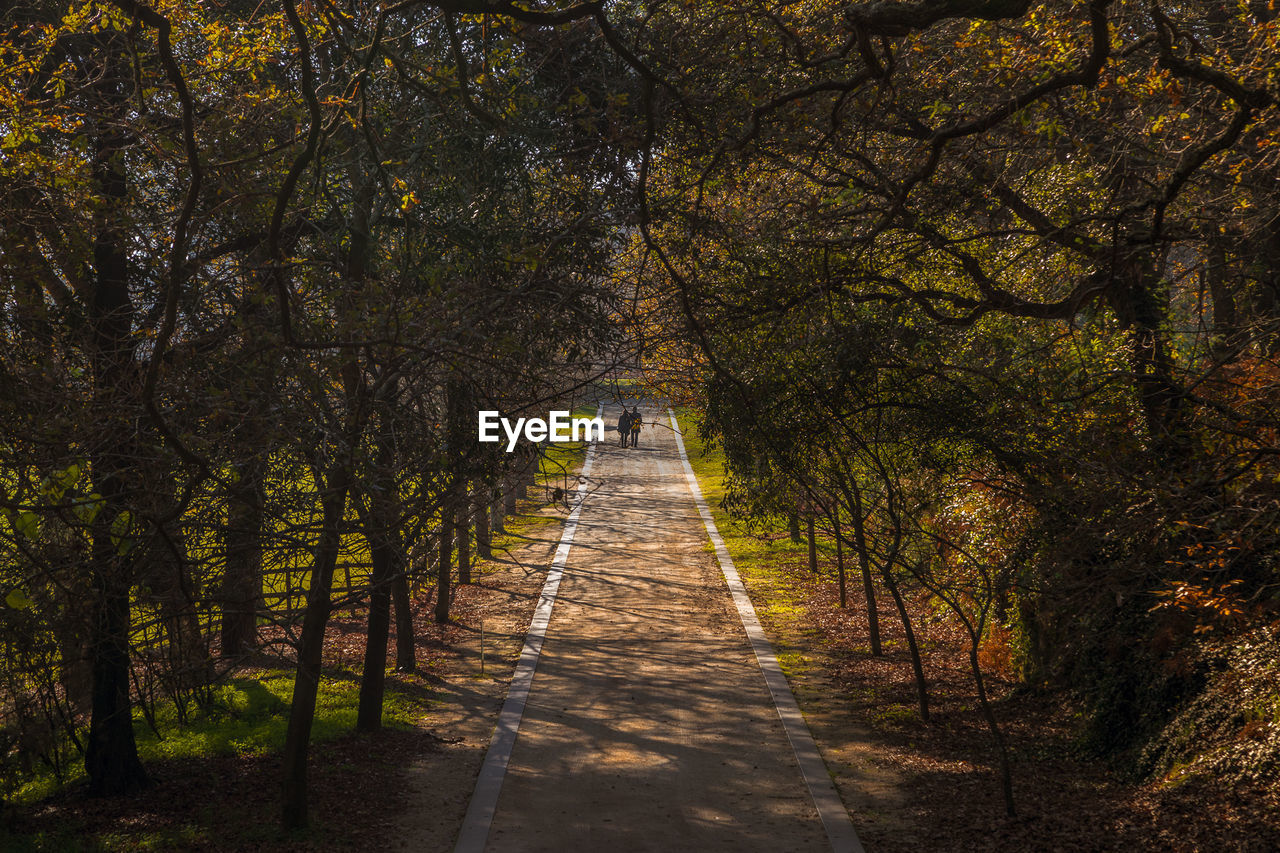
(990, 287)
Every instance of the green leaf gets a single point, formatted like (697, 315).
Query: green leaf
(87, 508)
(121, 529)
(68, 476)
(17, 599)
(27, 523)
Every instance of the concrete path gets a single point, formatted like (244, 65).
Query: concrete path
(648, 726)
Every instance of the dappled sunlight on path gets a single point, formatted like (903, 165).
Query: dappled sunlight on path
(648, 726)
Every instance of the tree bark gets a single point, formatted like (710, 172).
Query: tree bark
(522, 480)
(373, 675)
(793, 527)
(386, 554)
(443, 567)
(813, 543)
(111, 755)
(510, 493)
(864, 564)
(454, 499)
(1002, 751)
(462, 528)
(406, 657)
(241, 594)
(167, 574)
(306, 684)
(1142, 309)
(922, 689)
(497, 515)
(840, 574)
(481, 507)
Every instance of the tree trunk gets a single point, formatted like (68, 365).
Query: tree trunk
(497, 516)
(111, 755)
(1264, 309)
(1226, 325)
(522, 480)
(167, 573)
(405, 650)
(462, 528)
(864, 563)
(373, 676)
(840, 578)
(241, 592)
(532, 466)
(510, 492)
(1002, 751)
(922, 690)
(813, 544)
(443, 590)
(793, 527)
(484, 539)
(388, 580)
(454, 507)
(334, 491)
(306, 684)
(1143, 311)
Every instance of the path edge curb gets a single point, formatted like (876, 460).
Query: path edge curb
(474, 834)
(831, 809)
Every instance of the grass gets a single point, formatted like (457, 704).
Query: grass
(774, 569)
(247, 716)
(556, 467)
(558, 460)
(70, 839)
(755, 556)
(758, 558)
(213, 792)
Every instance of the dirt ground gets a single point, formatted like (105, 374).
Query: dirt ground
(396, 789)
(933, 786)
(438, 784)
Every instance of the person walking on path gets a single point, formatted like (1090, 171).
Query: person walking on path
(624, 426)
(636, 422)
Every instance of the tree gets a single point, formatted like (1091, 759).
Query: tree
(990, 238)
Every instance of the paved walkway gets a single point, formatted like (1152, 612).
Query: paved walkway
(648, 726)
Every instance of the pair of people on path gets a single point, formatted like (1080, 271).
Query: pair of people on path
(629, 424)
